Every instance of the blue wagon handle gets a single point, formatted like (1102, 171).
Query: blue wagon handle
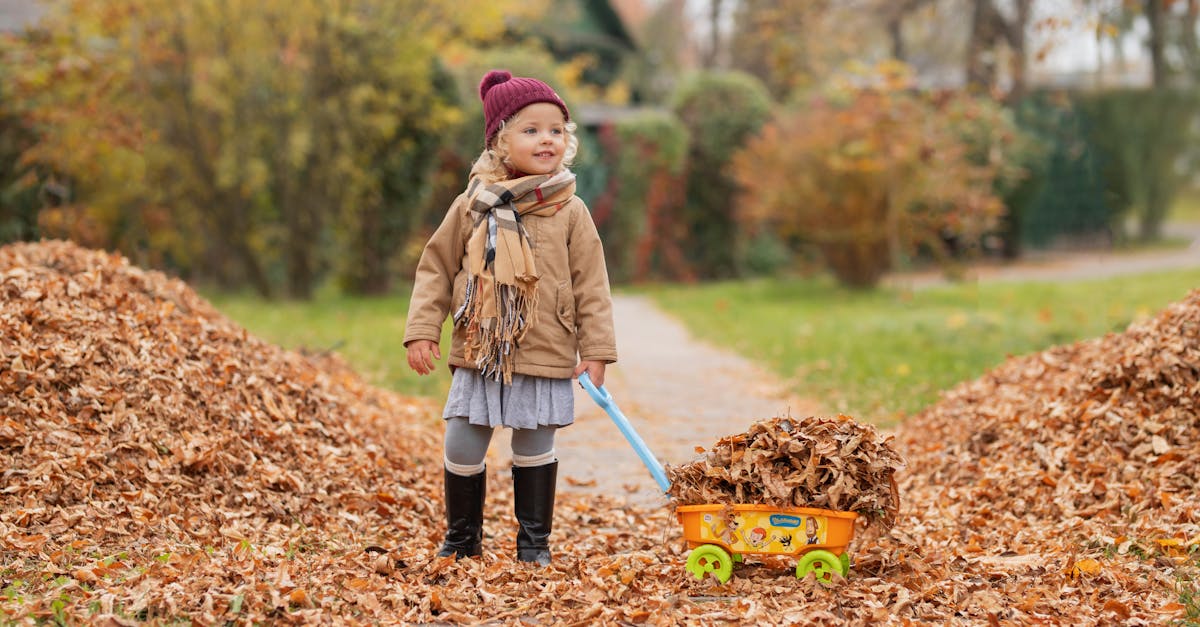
(605, 401)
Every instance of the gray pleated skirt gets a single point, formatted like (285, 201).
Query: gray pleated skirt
(530, 402)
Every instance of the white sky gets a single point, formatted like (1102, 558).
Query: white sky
(1071, 39)
(1065, 28)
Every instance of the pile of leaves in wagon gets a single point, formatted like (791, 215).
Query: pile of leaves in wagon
(828, 463)
(160, 464)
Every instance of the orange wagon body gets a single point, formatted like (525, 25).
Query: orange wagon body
(720, 534)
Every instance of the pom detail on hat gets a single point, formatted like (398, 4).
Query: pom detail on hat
(491, 79)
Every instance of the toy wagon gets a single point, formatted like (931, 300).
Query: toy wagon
(720, 535)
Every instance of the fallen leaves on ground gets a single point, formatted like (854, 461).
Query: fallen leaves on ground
(160, 464)
(1078, 464)
(828, 463)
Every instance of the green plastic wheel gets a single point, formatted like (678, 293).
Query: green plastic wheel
(738, 558)
(823, 564)
(711, 559)
(845, 563)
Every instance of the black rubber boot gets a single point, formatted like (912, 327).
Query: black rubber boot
(464, 514)
(533, 501)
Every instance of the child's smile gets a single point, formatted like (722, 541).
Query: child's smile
(537, 139)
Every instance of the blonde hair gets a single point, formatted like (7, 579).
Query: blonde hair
(491, 166)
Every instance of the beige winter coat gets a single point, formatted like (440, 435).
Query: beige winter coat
(574, 312)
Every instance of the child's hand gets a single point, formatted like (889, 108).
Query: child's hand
(595, 370)
(421, 354)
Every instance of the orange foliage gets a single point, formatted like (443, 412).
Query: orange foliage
(869, 177)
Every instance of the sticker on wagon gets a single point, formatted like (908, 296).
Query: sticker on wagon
(759, 529)
(783, 520)
(764, 532)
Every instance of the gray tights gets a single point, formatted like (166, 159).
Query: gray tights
(467, 444)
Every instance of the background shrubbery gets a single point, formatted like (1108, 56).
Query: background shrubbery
(286, 146)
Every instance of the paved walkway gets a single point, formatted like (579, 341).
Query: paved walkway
(1075, 266)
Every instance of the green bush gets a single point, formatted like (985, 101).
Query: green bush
(1143, 137)
(720, 110)
(644, 224)
(1064, 194)
(19, 201)
(994, 139)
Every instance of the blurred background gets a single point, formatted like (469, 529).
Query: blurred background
(816, 184)
(287, 146)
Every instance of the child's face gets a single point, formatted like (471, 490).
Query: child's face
(537, 138)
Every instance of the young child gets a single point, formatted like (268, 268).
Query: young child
(518, 263)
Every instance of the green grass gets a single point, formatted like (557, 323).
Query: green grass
(367, 332)
(880, 355)
(1187, 207)
(876, 355)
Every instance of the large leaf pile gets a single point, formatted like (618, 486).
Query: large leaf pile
(830, 463)
(160, 464)
(1081, 459)
(148, 443)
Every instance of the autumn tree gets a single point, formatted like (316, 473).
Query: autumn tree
(1171, 34)
(796, 45)
(18, 197)
(70, 95)
(1147, 135)
(991, 31)
(774, 41)
(663, 47)
(870, 175)
(274, 142)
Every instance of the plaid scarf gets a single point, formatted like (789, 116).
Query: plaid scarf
(501, 293)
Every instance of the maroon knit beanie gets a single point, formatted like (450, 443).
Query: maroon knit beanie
(503, 95)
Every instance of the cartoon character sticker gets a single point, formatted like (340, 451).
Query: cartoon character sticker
(757, 537)
(812, 531)
(717, 529)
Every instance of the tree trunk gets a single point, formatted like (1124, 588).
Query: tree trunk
(894, 12)
(895, 29)
(303, 228)
(1155, 213)
(989, 28)
(714, 45)
(1191, 47)
(253, 269)
(1157, 42)
(307, 190)
(232, 226)
(1016, 41)
(981, 70)
(371, 276)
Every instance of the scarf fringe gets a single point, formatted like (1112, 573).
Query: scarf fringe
(492, 342)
